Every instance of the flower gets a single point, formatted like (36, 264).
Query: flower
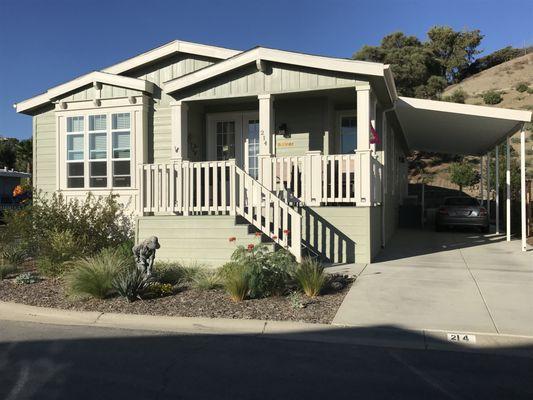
(250, 247)
(258, 234)
(286, 232)
(232, 239)
(17, 191)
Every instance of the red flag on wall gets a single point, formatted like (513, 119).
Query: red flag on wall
(374, 137)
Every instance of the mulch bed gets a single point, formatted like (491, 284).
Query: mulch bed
(186, 303)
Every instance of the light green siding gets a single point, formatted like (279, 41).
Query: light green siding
(44, 135)
(280, 78)
(203, 239)
(108, 92)
(339, 234)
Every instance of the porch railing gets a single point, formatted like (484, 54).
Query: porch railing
(218, 188)
(316, 179)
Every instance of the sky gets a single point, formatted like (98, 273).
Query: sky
(44, 43)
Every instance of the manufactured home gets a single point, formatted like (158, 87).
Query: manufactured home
(206, 144)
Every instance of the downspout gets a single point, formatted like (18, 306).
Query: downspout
(383, 186)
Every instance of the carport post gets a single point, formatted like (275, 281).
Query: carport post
(497, 177)
(488, 184)
(507, 189)
(481, 195)
(523, 185)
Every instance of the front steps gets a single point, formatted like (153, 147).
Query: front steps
(200, 239)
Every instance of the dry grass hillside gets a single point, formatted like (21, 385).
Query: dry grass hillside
(504, 79)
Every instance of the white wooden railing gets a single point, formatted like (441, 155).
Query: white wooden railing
(316, 179)
(217, 188)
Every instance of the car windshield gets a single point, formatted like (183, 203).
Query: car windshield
(461, 201)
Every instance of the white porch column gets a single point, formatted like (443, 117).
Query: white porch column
(497, 178)
(179, 119)
(508, 189)
(523, 186)
(488, 184)
(363, 115)
(266, 139)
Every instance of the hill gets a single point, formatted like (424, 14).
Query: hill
(503, 79)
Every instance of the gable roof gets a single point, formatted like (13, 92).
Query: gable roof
(87, 79)
(259, 54)
(111, 75)
(176, 46)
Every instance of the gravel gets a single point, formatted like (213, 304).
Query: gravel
(188, 302)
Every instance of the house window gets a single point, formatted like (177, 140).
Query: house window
(75, 153)
(121, 150)
(348, 131)
(102, 168)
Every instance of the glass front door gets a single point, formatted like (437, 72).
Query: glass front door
(225, 134)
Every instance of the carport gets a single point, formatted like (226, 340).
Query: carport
(468, 130)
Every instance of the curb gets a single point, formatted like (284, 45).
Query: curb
(284, 330)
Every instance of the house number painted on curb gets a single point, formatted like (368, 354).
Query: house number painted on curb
(461, 337)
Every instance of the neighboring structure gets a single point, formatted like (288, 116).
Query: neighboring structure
(9, 179)
(204, 142)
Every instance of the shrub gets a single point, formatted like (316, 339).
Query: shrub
(171, 273)
(236, 280)
(6, 270)
(47, 267)
(522, 87)
(530, 90)
(14, 255)
(310, 277)
(93, 276)
(457, 96)
(160, 289)
(207, 280)
(492, 97)
(131, 283)
(97, 223)
(62, 246)
(269, 272)
(27, 278)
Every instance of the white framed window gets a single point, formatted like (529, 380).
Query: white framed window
(121, 156)
(75, 152)
(98, 151)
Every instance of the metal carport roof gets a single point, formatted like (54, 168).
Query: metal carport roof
(454, 128)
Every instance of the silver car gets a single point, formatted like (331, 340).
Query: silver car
(462, 211)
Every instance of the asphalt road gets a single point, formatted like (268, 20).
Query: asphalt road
(43, 362)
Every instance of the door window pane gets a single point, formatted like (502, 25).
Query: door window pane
(348, 134)
(225, 132)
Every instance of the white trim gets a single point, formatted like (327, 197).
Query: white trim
(176, 46)
(468, 109)
(96, 76)
(280, 56)
(81, 105)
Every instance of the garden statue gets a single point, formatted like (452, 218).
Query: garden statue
(144, 254)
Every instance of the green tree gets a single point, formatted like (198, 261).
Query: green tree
(24, 155)
(8, 155)
(453, 50)
(463, 174)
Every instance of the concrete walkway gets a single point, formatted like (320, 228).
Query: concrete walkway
(451, 281)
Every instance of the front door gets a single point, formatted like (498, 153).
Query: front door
(235, 135)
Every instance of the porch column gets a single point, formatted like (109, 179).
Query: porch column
(363, 115)
(266, 139)
(497, 178)
(523, 186)
(488, 185)
(508, 189)
(179, 117)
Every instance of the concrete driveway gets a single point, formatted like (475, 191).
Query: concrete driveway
(454, 281)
